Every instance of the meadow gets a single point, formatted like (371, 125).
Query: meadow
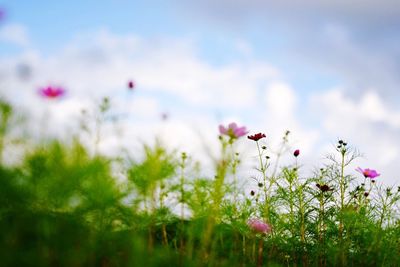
(64, 204)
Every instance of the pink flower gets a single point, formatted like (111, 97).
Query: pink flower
(233, 131)
(296, 153)
(259, 226)
(51, 92)
(2, 14)
(368, 173)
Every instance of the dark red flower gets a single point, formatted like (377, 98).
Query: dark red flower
(256, 137)
(324, 188)
(131, 85)
(296, 153)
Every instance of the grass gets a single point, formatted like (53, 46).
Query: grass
(62, 205)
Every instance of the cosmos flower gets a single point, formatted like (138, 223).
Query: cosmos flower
(131, 85)
(296, 153)
(164, 116)
(233, 131)
(368, 173)
(2, 14)
(256, 137)
(258, 226)
(324, 188)
(51, 92)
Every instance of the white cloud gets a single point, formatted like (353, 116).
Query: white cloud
(367, 124)
(101, 64)
(281, 101)
(15, 34)
(354, 43)
(170, 75)
(368, 109)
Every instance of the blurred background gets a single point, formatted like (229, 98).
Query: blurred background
(323, 70)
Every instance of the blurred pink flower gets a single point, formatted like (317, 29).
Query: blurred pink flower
(259, 226)
(51, 92)
(368, 173)
(233, 131)
(2, 14)
(296, 153)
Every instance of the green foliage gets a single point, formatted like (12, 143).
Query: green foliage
(157, 166)
(61, 205)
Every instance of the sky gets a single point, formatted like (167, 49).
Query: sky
(325, 70)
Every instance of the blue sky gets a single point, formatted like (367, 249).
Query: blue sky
(323, 70)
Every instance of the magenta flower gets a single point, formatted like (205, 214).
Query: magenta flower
(368, 173)
(296, 153)
(51, 92)
(258, 226)
(233, 131)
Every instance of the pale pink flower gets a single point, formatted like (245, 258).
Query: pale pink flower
(259, 226)
(2, 14)
(233, 131)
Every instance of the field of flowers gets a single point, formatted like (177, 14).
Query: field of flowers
(65, 205)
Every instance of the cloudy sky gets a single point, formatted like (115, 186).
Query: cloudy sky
(323, 70)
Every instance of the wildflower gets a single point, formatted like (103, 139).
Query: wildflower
(366, 194)
(368, 173)
(252, 192)
(256, 137)
(164, 116)
(259, 226)
(51, 92)
(2, 14)
(233, 131)
(296, 153)
(131, 85)
(324, 188)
